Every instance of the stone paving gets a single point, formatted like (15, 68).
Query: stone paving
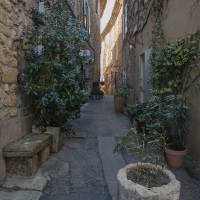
(85, 168)
(92, 165)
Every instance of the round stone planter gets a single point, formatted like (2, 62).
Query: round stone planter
(128, 190)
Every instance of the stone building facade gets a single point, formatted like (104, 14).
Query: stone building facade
(180, 18)
(15, 117)
(89, 11)
(111, 46)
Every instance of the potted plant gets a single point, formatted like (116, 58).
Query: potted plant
(145, 180)
(122, 95)
(102, 83)
(52, 78)
(99, 94)
(148, 115)
(176, 121)
(135, 113)
(95, 89)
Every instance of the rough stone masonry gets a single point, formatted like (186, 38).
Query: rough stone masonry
(14, 119)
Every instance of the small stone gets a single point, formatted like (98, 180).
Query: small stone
(6, 87)
(13, 112)
(14, 1)
(11, 100)
(14, 88)
(13, 62)
(6, 4)
(4, 114)
(9, 75)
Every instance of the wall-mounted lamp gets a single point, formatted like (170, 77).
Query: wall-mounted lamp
(132, 45)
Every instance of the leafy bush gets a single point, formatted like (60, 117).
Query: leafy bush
(142, 146)
(98, 92)
(176, 120)
(123, 93)
(95, 84)
(136, 111)
(53, 79)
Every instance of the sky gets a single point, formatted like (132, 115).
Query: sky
(107, 13)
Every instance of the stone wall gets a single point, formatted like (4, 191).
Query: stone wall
(95, 43)
(180, 19)
(15, 119)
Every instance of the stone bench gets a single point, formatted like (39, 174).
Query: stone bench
(24, 155)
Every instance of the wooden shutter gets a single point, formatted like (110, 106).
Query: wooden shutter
(85, 13)
(97, 6)
(89, 20)
(125, 18)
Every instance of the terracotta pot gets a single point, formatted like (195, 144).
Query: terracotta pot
(124, 110)
(127, 189)
(118, 104)
(175, 158)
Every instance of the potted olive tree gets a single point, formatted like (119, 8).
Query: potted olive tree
(53, 79)
(145, 180)
(122, 94)
(135, 114)
(176, 120)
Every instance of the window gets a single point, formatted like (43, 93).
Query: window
(39, 48)
(125, 29)
(97, 6)
(117, 50)
(115, 79)
(124, 79)
(86, 15)
(106, 79)
(112, 76)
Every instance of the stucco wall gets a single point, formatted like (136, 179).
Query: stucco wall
(180, 19)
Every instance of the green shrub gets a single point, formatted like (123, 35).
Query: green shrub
(53, 79)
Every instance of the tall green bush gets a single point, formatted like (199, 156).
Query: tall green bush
(53, 78)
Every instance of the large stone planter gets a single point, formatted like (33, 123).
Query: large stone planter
(128, 190)
(56, 137)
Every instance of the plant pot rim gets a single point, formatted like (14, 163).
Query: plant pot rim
(142, 190)
(175, 152)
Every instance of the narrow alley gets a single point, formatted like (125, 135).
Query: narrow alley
(85, 168)
(125, 67)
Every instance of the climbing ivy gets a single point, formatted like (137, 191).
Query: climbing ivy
(173, 62)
